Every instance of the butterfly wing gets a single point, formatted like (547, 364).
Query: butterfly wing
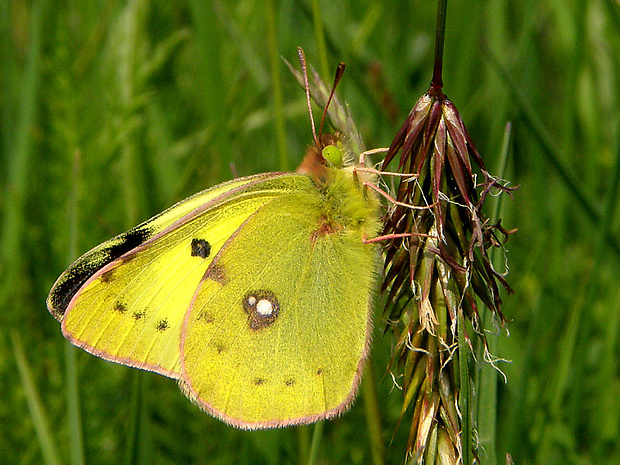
(126, 299)
(279, 327)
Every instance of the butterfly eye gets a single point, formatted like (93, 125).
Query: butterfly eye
(333, 155)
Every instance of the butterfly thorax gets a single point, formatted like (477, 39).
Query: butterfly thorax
(347, 206)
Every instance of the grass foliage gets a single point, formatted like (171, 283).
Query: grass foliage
(111, 111)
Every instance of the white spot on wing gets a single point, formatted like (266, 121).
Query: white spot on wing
(264, 307)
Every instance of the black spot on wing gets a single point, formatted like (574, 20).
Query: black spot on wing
(138, 315)
(162, 325)
(120, 307)
(200, 248)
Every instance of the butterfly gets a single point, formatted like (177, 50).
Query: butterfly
(256, 294)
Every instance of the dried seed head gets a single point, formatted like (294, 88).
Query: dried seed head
(436, 149)
(437, 266)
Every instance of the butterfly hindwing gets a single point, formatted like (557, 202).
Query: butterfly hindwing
(279, 326)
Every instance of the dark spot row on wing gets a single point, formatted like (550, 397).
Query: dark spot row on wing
(88, 265)
(120, 307)
(290, 382)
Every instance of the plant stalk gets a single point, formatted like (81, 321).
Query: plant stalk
(440, 34)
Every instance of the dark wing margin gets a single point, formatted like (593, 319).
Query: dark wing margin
(91, 262)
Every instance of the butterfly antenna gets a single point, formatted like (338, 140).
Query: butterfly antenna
(304, 70)
(339, 73)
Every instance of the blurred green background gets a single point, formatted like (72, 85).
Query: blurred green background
(111, 111)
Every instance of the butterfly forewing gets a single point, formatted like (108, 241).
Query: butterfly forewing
(130, 310)
(70, 282)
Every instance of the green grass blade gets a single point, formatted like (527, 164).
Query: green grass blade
(373, 414)
(610, 207)
(276, 82)
(465, 404)
(614, 12)
(19, 162)
(209, 39)
(37, 411)
(319, 36)
(74, 415)
(487, 382)
(303, 441)
(317, 435)
(138, 449)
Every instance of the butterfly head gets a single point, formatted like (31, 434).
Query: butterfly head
(329, 152)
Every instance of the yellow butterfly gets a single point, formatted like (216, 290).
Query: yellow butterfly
(255, 294)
